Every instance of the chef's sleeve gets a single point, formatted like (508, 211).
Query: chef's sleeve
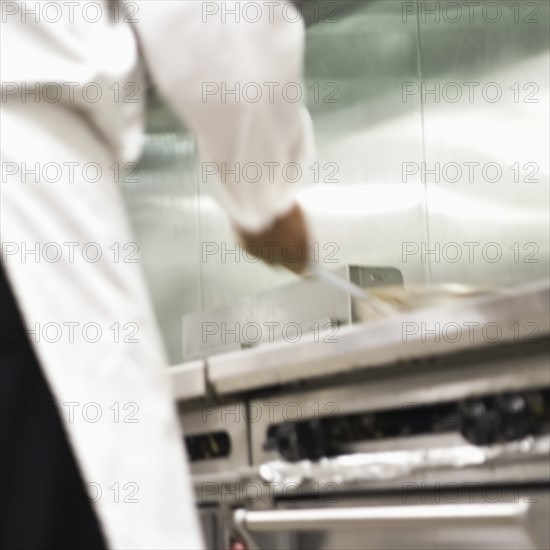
(234, 77)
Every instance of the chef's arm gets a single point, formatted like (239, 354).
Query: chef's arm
(195, 55)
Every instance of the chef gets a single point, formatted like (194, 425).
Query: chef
(92, 454)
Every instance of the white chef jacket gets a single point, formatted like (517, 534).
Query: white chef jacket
(66, 241)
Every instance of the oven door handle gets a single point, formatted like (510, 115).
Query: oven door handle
(320, 519)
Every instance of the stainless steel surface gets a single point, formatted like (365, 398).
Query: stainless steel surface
(363, 210)
(505, 53)
(368, 518)
(364, 300)
(404, 336)
(162, 203)
(307, 306)
(444, 381)
(213, 528)
(526, 531)
(400, 494)
(189, 380)
(208, 418)
(339, 282)
(444, 375)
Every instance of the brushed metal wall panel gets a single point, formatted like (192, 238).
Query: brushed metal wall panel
(366, 68)
(162, 204)
(498, 48)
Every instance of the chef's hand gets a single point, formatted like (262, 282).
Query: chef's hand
(285, 242)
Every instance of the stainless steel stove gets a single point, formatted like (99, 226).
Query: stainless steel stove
(426, 429)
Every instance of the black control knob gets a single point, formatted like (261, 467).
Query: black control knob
(296, 441)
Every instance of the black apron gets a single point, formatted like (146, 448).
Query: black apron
(43, 502)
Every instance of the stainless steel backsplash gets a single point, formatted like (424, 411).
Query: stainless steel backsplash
(421, 165)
